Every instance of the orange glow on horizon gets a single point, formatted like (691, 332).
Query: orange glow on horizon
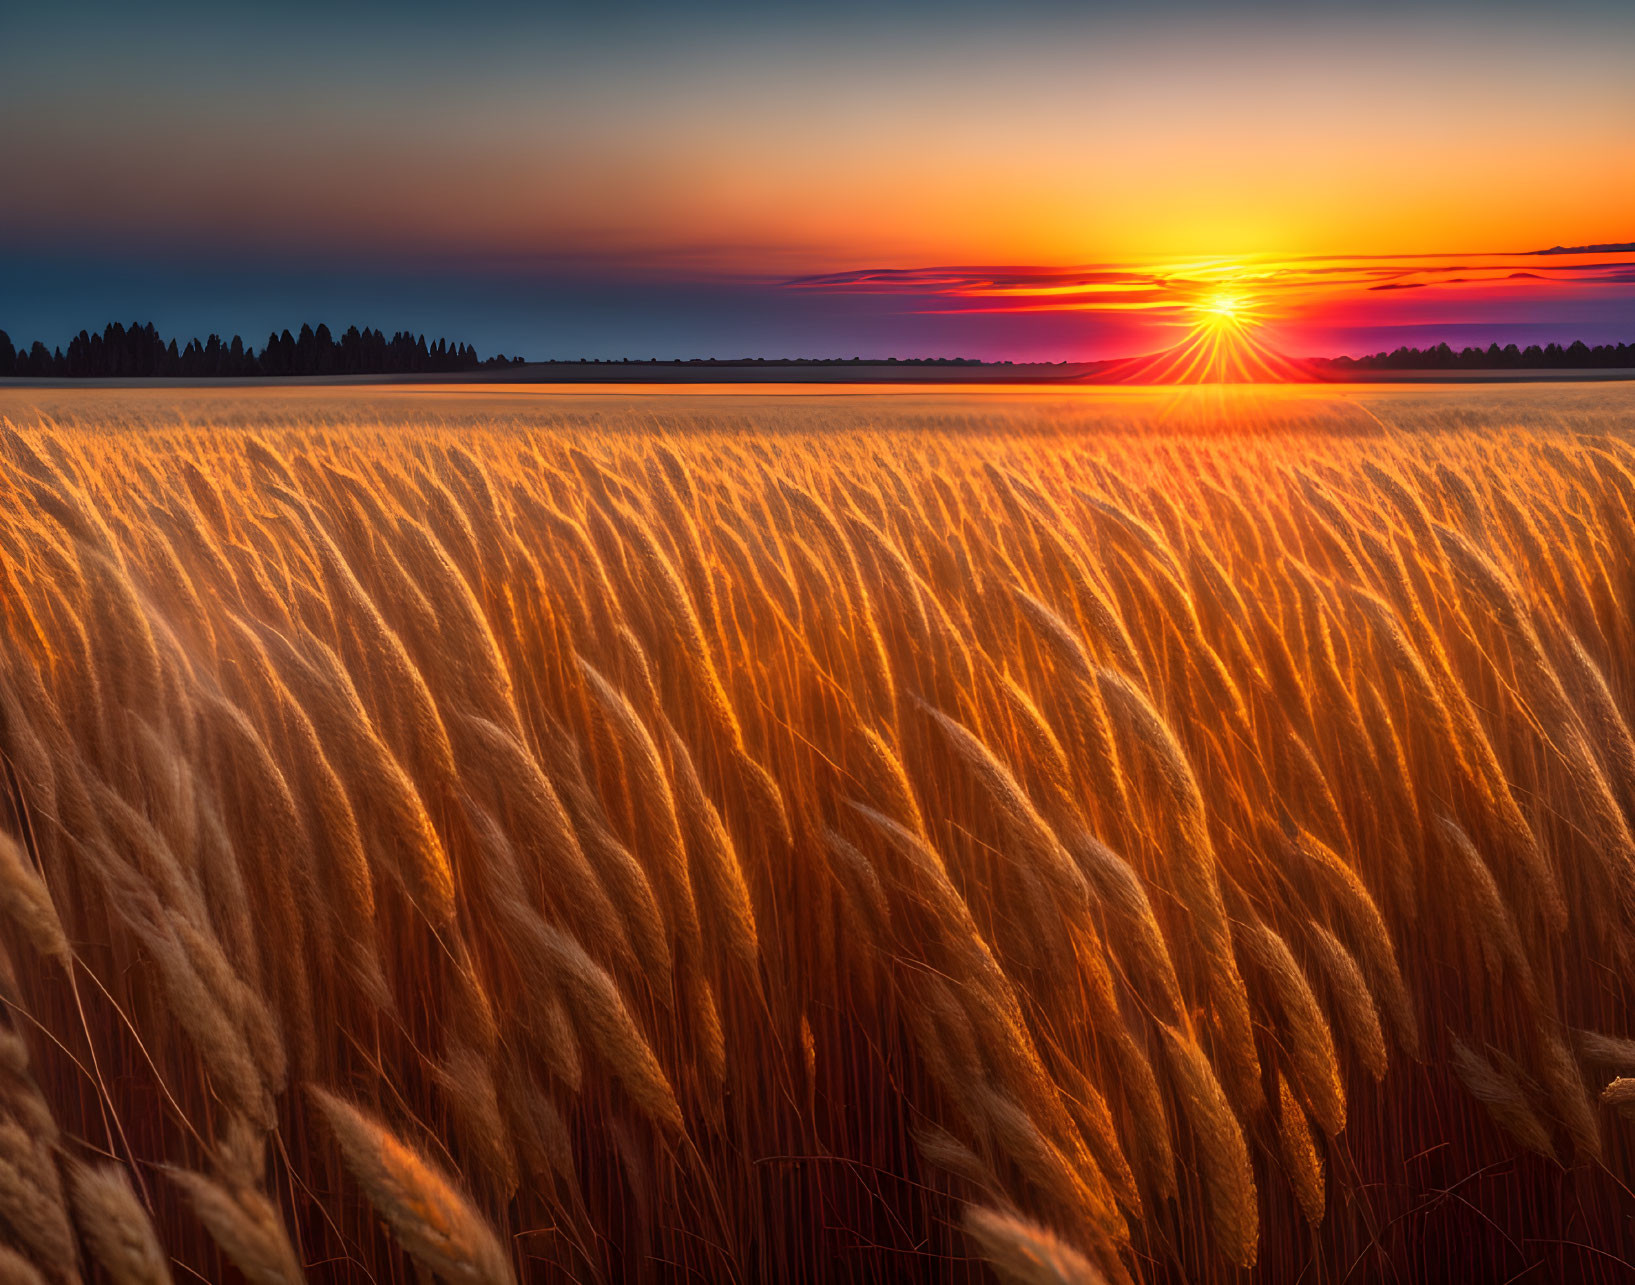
(1289, 304)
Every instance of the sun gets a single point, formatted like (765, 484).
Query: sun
(1223, 310)
(1224, 344)
(1227, 340)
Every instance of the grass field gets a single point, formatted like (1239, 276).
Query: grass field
(506, 835)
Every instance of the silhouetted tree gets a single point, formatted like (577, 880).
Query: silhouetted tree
(1577, 355)
(139, 352)
(323, 344)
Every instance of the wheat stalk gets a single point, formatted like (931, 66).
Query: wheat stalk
(430, 1218)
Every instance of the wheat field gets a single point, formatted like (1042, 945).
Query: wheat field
(488, 838)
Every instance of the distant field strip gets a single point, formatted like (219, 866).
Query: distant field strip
(741, 840)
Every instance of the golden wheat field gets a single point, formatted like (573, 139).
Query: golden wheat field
(492, 837)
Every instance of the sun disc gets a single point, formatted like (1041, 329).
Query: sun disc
(1222, 309)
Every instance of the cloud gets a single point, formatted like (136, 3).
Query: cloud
(1288, 287)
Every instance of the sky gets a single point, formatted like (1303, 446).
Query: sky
(1027, 181)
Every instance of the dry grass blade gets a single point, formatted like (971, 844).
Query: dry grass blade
(1610, 1051)
(432, 1220)
(1620, 1095)
(27, 901)
(1223, 1157)
(1024, 1253)
(17, 1270)
(31, 1198)
(1498, 1090)
(1301, 1161)
(116, 1227)
(245, 1225)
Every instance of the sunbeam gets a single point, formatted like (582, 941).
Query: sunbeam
(1222, 346)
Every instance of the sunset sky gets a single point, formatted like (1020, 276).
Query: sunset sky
(1045, 181)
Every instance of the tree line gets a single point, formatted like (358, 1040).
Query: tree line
(1575, 356)
(138, 351)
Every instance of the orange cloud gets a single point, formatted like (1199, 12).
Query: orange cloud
(1290, 296)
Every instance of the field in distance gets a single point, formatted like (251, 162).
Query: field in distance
(506, 834)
